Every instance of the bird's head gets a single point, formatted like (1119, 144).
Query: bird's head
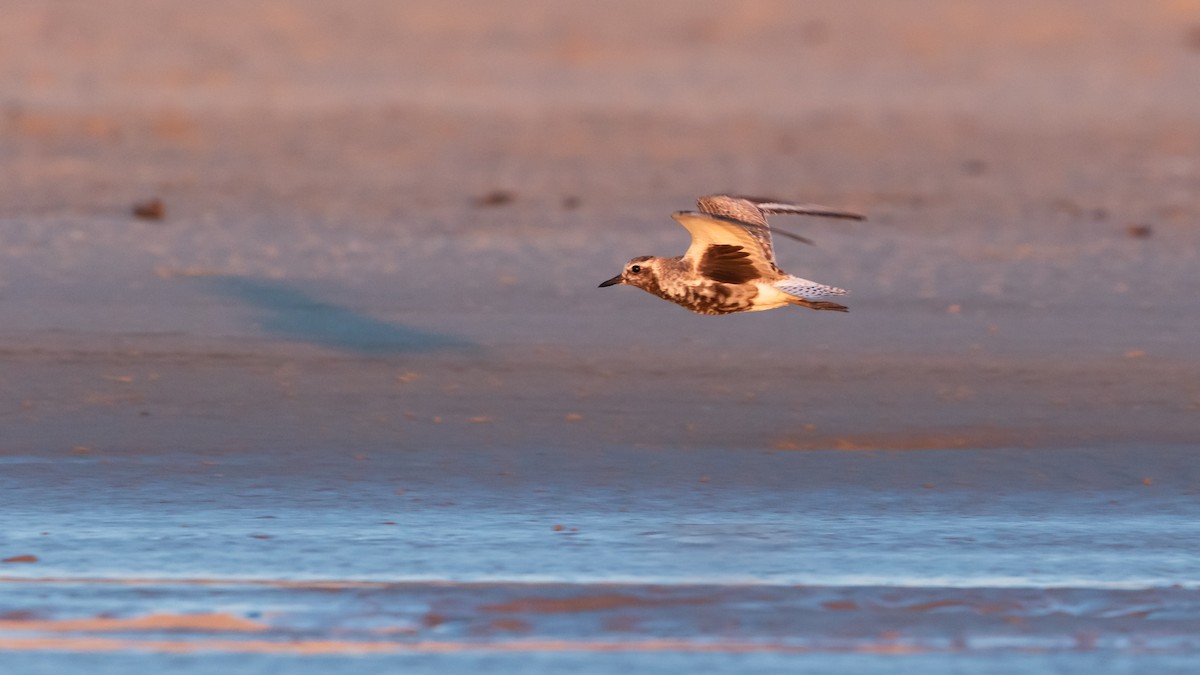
(640, 272)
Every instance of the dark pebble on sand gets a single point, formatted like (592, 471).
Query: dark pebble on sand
(151, 209)
(495, 198)
(1139, 231)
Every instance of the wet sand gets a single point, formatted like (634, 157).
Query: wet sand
(353, 397)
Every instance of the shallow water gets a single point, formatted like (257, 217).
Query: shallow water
(921, 519)
(587, 664)
(651, 559)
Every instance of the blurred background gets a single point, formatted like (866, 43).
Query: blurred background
(372, 177)
(408, 116)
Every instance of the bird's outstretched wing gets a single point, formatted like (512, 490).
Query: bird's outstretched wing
(775, 206)
(727, 250)
(754, 210)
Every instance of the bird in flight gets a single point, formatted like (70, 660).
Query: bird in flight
(730, 266)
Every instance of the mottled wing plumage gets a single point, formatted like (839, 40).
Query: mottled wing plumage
(738, 208)
(708, 231)
(743, 211)
(754, 210)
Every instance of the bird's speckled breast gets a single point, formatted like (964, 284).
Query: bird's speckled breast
(709, 298)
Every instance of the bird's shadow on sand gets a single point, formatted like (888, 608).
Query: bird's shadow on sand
(290, 313)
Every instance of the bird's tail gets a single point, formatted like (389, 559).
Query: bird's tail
(810, 294)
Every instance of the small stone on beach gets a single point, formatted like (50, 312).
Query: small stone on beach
(151, 209)
(495, 198)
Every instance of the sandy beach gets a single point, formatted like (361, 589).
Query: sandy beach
(348, 394)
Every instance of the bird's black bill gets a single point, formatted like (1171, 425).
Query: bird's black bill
(611, 282)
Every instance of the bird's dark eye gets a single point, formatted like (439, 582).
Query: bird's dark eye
(636, 269)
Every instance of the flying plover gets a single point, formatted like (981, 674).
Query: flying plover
(730, 266)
